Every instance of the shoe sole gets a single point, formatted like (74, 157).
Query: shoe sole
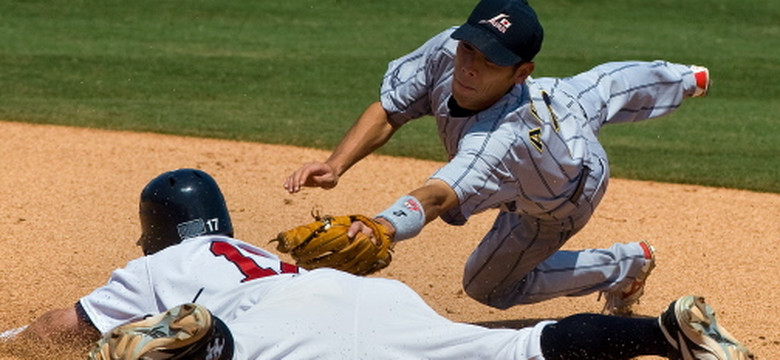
(698, 324)
(174, 329)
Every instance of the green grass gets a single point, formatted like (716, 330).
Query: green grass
(300, 71)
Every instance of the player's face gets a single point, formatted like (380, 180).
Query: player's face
(478, 83)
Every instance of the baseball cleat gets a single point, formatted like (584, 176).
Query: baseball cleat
(690, 327)
(702, 75)
(187, 331)
(619, 301)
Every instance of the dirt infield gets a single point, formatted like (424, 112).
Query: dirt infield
(70, 202)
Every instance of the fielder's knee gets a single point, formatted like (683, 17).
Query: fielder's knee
(497, 297)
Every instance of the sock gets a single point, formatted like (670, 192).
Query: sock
(602, 337)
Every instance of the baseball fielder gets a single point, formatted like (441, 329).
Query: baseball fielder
(526, 146)
(227, 299)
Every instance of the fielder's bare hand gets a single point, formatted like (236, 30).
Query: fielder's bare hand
(313, 174)
(361, 227)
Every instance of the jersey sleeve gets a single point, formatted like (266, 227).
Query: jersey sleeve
(479, 173)
(409, 80)
(126, 297)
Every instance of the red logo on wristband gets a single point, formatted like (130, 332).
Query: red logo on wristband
(412, 205)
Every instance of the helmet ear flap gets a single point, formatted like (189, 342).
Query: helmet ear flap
(178, 205)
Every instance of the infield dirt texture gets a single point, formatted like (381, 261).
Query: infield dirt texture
(69, 204)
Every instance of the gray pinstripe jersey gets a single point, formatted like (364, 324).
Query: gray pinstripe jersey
(527, 152)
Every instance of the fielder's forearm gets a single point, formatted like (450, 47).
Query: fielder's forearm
(436, 197)
(61, 325)
(370, 132)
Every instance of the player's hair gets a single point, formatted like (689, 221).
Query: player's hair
(181, 204)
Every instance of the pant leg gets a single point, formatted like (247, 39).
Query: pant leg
(592, 336)
(577, 273)
(519, 260)
(394, 322)
(629, 91)
(497, 271)
(521, 263)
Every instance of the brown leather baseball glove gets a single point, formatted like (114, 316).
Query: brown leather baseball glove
(324, 243)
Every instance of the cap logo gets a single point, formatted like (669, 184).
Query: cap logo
(500, 22)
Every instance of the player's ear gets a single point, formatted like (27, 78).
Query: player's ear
(523, 70)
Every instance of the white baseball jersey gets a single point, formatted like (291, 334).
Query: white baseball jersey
(535, 155)
(277, 311)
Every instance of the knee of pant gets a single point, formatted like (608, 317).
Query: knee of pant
(499, 296)
(489, 297)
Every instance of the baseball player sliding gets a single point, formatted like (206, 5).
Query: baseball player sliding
(200, 294)
(526, 146)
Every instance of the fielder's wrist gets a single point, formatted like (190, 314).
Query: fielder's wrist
(407, 217)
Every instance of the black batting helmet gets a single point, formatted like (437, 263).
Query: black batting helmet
(181, 204)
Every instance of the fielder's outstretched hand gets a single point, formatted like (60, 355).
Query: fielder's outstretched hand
(312, 174)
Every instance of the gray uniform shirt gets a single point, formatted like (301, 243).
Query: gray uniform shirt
(514, 155)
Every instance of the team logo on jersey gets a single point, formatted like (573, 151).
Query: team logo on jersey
(553, 118)
(535, 136)
(500, 22)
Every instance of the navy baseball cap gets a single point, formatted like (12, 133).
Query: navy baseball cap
(506, 31)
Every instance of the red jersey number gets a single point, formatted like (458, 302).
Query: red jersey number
(246, 265)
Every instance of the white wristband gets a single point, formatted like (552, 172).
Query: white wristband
(406, 215)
